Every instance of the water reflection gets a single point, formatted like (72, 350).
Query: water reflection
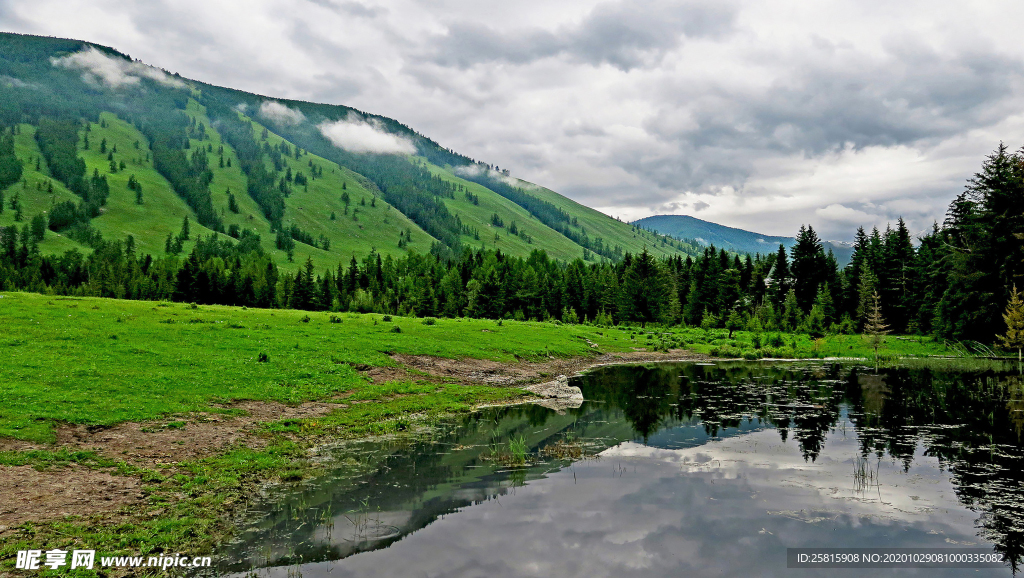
(701, 470)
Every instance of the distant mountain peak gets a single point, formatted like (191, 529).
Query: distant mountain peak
(707, 233)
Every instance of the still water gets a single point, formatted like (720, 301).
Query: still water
(669, 470)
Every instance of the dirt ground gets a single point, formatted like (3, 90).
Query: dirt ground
(31, 495)
(488, 372)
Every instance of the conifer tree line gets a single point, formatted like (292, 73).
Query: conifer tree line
(955, 282)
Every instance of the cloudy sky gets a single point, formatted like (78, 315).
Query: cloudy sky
(762, 115)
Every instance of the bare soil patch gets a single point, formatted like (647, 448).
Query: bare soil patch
(158, 444)
(483, 371)
(31, 495)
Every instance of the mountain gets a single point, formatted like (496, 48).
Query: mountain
(707, 233)
(98, 145)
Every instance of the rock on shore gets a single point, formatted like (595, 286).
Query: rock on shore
(558, 389)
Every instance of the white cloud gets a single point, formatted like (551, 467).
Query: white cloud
(281, 114)
(478, 169)
(12, 82)
(360, 136)
(845, 215)
(112, 71)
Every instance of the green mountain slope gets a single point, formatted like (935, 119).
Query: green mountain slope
(739, 240)
(479, 214)
(153, 148)
(37, 191)
(632, 239)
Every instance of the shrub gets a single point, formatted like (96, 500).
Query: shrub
(263, 358)
(386, 319)
(305, 319)
(430, 321)
(335, 319)
(396, 329)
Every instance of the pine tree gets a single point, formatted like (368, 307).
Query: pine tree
(874, 325)
(646, 291)
(779, 278)
(865, 291)
(16, 205)
(825, 305)
(809, 267)
(792, 317)
(734, 322)
(38, 227)
(1014, 318)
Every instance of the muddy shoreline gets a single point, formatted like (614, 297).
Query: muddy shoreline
(54, 493)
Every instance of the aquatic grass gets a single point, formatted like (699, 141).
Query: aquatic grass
(566, 449)
(517, 451)
(864, 476)
(958, 364)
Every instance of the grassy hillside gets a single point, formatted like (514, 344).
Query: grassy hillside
(479, 216)
(393, 207)
(613, 231)
(37, 191)
(161, 212)
(361, 229)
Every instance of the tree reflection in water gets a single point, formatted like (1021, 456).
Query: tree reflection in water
(971, 421)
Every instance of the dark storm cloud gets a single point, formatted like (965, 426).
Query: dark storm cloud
(625, 35)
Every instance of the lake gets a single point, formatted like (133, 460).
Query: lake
(668, 470)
